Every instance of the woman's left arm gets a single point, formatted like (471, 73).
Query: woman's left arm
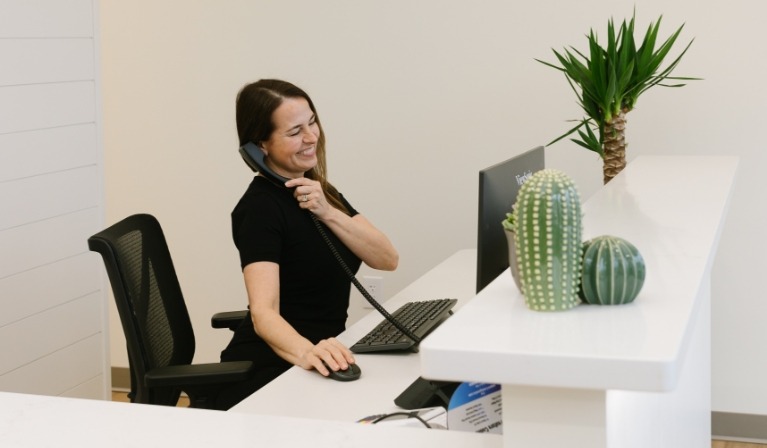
(363, 238)
(357, 233)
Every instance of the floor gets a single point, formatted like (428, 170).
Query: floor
(184, 402)
(723, 444)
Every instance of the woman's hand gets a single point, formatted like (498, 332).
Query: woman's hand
(332, 352)
(357, 233)
(262, 283)
(310, 196)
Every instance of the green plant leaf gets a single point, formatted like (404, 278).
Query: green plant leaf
(581, 123)
(609, 79)
(590, 141)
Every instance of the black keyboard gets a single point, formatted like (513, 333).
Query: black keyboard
(418, 317)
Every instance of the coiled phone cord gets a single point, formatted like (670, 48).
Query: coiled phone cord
(260, 166)
(397, 324)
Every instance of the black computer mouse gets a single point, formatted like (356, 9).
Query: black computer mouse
(352, 373)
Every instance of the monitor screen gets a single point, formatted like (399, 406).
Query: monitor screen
(498, 187)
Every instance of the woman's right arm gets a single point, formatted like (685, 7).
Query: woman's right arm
(262, 282)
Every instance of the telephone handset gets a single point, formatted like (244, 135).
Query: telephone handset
(256, 159)
(254, 156)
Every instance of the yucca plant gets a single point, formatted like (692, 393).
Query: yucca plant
(608, 83)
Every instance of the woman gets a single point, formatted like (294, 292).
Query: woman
(298, 294)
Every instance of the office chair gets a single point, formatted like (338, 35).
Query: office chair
(155, 319)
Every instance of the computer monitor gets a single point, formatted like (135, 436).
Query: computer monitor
(498, 188)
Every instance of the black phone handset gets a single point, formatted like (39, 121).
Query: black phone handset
(256, 159)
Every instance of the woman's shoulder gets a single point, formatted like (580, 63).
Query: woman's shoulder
(261, 189)
(259, 195)
(349, 207)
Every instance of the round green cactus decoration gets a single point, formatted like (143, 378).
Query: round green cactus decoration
(613, 271)
(548, 238)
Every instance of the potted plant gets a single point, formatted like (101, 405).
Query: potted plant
(608, 81)
(612, 273)
(547, 223)
(510, 228)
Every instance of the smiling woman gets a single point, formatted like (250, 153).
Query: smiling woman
(298, 295)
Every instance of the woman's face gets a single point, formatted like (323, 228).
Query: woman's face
(292, 148)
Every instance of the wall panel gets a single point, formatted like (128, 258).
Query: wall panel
(53, 314)
(60, 372)
(36, 198)
(41, 106)
(46, 18)
(40, 151)
(29, 292)
(34, 61)
(21, 344)
(92, 388)
(47, 241)
(40, 197)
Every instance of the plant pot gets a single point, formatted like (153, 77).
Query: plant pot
(513, 263)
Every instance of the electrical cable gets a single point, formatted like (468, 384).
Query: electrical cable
(406, 414)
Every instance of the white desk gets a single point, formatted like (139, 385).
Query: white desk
(635, 375)
(300, 408)
(33, 421)
(302, 393)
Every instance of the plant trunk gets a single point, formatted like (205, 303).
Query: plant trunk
(614, 147)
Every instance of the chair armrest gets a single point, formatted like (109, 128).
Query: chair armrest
(228, 319)
(199, 374)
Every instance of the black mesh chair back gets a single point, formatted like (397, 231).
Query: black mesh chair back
(154, 317)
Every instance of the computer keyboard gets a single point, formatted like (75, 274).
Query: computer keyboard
(419, 317)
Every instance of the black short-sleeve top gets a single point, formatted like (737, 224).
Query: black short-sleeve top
(269, 225)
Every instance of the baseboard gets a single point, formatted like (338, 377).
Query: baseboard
(120, 378)
(743, 427)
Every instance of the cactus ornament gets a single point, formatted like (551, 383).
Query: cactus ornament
(613, 271)
(548, 239)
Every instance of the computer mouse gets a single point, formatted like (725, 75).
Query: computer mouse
(352, 373)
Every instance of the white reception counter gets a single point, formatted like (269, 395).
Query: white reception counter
(634, 375)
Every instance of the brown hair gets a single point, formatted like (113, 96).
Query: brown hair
(256, 103)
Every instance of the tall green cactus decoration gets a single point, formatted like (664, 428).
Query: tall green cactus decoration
(613, 271)
(548, 238)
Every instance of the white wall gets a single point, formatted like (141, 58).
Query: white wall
(53, 312)
(415, 98)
